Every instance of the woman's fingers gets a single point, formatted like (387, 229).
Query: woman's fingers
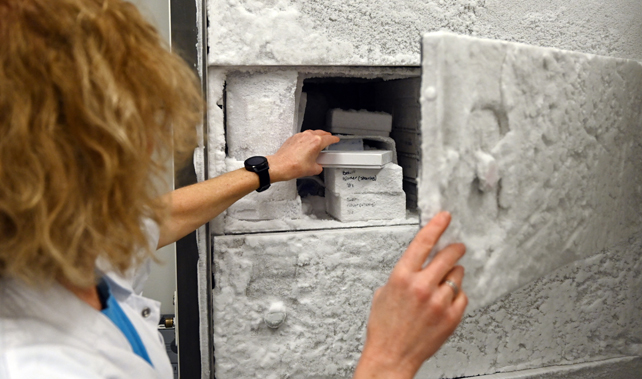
(450, 287)
(328, 139)
(298, 155)
(319, 132)
(457, 308)
(443, 263)
(424, 241)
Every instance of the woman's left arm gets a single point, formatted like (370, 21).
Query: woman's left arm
(192, 206)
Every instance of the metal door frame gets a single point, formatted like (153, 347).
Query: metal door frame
(188, 29)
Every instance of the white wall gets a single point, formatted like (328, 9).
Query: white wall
(156, 11)
(162, 279)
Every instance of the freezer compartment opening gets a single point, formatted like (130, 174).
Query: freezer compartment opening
(262, 108)
(369, 115)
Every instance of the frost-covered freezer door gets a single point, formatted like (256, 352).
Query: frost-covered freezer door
(535, 151)
(295, 305)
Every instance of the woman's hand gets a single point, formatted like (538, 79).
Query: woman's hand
(416, 311)
(297, 157)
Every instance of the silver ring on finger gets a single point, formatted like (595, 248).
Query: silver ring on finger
(452, 285)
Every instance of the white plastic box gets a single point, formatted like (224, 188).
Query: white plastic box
(359, 122)
(388, 179)
(366, 206)
(355, 159)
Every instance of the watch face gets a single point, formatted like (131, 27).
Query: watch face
(255, 161)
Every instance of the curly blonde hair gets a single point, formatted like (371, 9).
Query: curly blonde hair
(87, 92)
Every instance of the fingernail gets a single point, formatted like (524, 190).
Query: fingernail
(445, 216)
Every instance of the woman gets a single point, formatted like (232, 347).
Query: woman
(90, 103)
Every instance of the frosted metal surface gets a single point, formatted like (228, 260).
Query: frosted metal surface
(322, 280)
(260, 115)
(386, 32)
(587, 311)
(261, 112)
(535, 151)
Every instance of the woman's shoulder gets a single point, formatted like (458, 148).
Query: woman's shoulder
(49, 331)
(48, 361)
(58, 361)
(43, 315)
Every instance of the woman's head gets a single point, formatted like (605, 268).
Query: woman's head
(87, 92)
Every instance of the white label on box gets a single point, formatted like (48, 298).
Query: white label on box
(357, 180)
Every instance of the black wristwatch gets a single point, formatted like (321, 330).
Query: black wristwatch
(260, 166)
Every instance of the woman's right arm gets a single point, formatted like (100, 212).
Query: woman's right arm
(192, 206)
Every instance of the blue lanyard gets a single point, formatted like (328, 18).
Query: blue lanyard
(115, 313)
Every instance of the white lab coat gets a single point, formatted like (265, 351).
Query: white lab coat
(51, 333)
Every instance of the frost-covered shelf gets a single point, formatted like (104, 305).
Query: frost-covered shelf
(311, 222)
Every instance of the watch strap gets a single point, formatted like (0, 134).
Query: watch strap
(264, 179)
(259, 165)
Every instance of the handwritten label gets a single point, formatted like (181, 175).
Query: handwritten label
(354, 202)
(350, 176)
